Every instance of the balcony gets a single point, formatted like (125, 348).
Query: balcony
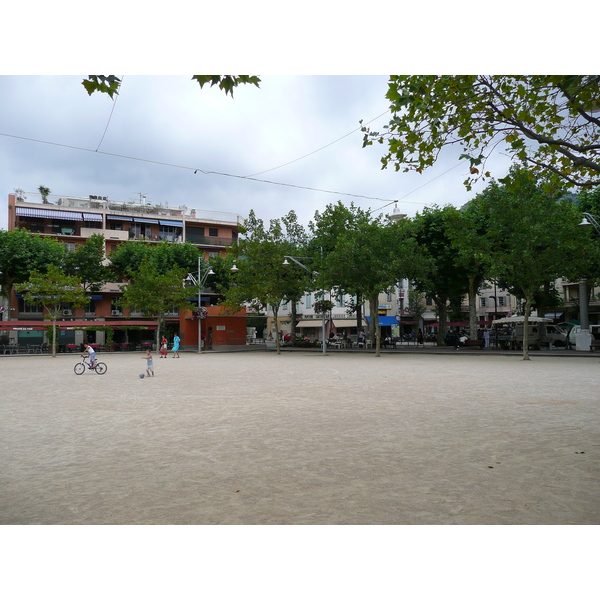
(109, 234)
(205, 240)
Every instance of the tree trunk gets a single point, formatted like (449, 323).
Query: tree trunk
(294, 319)
(374, 305)
(358, 313)
(275, 316)
(53, 338)
(442, 320)
(472, 308)
(526, 328)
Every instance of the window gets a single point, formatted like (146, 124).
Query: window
(213, 232)
(389, 297)
(90, 308)
(169, 233)
(308, 300)
(501, 301)
(339, 300)
(482, 302)
(213, 254)
(30, 307)
(70, 246)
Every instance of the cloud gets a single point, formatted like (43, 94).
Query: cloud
(164, 128)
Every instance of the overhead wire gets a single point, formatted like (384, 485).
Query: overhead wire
(204, 172)
(318, 149)
(111, 114)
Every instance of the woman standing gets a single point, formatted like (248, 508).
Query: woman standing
(163, 347)
(176, 341)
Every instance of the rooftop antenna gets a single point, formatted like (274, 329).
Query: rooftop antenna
(142, 197)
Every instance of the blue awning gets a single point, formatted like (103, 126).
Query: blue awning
(119, 218)
(385, 321)
(171, 223)
(42, 213)
(92, 217)
(143, 220)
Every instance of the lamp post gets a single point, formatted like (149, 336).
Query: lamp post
(314, 274)
(583, 338)
(204, 270)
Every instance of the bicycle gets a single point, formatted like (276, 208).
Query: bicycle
(99, 367)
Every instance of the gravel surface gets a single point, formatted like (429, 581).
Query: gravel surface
(301, 438)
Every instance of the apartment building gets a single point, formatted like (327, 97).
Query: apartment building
(72, 220)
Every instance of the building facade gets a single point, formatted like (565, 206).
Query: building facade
(72, 220)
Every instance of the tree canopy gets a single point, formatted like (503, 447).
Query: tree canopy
(110, 84)
(534, 236)
(547, 121)
(22, 253)
(52, 289)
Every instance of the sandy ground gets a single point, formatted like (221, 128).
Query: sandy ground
(301, 438)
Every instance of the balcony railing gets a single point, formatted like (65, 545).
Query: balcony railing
(205, 240)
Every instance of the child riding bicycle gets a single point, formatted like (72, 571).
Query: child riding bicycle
(92, 355)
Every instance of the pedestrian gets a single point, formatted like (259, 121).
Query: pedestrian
(420, 341)
(176, 341)
(486, 338)
(163, 347)
(361, 339)
(149, 363)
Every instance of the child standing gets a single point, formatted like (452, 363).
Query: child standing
(149, 363)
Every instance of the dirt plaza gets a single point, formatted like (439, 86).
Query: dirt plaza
(301, 438)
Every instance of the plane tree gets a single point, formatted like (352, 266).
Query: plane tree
(128, 257)
(547, 121)
(362, 256)
(439, 275)
(87, 263)
(467, 229)
(533, 235)
(262, 278)
(52, 289)
(110, 84)
(22, 253)
(155, 291)
(327, 229)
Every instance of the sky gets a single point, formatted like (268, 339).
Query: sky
(292, 144)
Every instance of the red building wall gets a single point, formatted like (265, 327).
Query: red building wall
(224, 329)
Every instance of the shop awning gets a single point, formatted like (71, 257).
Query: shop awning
(119, 218)
(92, 217)
(144, 220)
(41, 213)
(75, 324)
(170, 223)
(344, 323)
(311, 323)
(385, 320)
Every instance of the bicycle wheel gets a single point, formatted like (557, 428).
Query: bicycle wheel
(101, 368)
(79, 369)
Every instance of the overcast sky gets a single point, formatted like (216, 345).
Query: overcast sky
(301, 131)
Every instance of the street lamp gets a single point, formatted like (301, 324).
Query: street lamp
(314, 274)
(584, 337)
(204, 270)
(396, 214)
(588, 220)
